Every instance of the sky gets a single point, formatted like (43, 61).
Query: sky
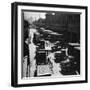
(31, 16)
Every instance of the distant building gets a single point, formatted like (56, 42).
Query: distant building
(66, 23)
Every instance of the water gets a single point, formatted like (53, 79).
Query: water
(32, 52)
